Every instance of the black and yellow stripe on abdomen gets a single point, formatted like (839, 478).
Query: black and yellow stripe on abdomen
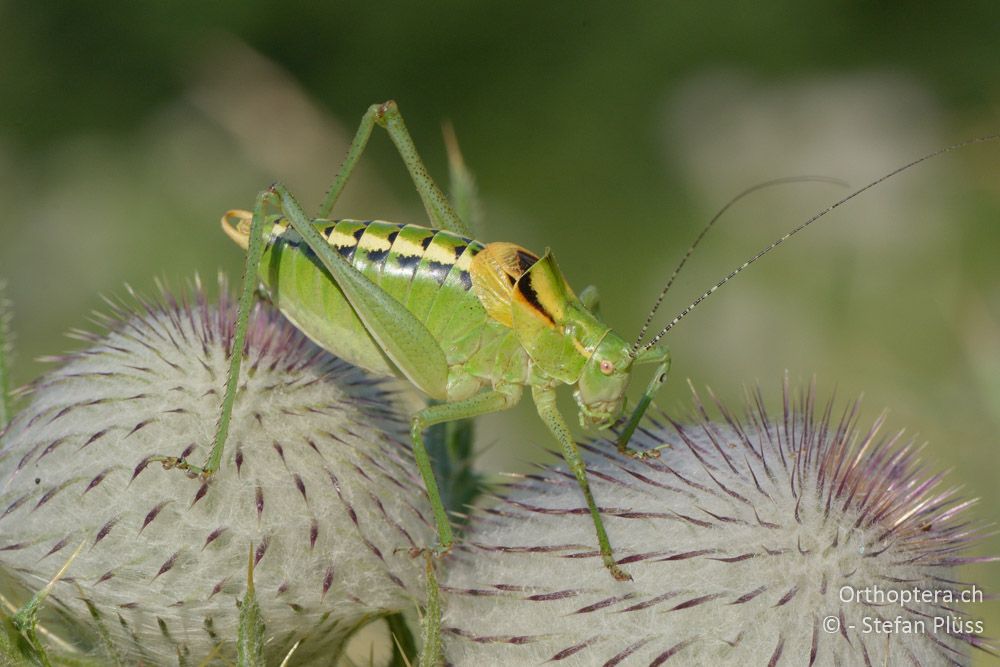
(441, 274)
(410, 262)
(401, 263)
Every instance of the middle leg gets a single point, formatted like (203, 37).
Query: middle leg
(657, 355)
(496, 400)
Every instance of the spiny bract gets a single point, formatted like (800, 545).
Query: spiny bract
(743, 539)
(317, 480)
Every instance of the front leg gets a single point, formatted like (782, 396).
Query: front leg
(655, 355)
(502, 398)
(545, 403)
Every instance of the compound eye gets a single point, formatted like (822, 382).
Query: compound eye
(607, 367)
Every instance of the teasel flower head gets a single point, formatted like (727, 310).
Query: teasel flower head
(316, 481)
(757, 540)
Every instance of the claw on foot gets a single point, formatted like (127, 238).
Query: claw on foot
(438, 552)
(171, 462)
(618, 573)
(641, 455)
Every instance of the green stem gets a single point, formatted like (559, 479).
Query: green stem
(250, 637)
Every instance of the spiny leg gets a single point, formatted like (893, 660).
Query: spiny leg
(488, 401)
(438, 208)
(387, 115)
(354, 152)
(255, 249)
(652, 355)
(545, 403)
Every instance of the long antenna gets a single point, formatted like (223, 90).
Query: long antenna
(684, 313)
(753, 188)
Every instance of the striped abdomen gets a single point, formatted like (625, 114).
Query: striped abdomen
(426, 270)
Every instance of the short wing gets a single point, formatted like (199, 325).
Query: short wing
(495, 271)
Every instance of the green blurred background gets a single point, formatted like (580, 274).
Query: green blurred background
(609, 132)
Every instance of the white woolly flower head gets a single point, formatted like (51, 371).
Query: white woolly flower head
(754, 541)
(317, 480)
